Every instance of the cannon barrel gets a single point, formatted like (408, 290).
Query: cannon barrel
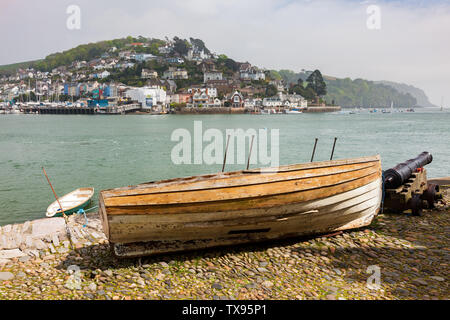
(398, 175)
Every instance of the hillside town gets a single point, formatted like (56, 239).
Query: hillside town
(153, 76)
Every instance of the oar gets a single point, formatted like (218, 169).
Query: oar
(60, 206)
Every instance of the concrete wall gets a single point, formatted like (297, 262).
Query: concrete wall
(209, 110)
(322, 109)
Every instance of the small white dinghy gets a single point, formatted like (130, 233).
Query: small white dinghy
(71, 202)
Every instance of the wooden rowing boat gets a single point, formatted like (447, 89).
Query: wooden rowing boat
(243, 206)
(71, 202)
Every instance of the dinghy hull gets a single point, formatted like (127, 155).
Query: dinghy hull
(245, 206)
(71, 202)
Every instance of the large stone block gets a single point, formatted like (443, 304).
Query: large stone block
(26, 227)
(9, 254)
(4, 276)
(4, 261)
(48, 227)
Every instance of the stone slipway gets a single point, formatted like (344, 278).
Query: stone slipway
(412, 254)
(29, 239)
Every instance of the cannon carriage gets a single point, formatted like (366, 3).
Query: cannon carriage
(406, 186)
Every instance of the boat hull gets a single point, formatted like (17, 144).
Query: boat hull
(73, 210)
(71, 202)
(241, 207)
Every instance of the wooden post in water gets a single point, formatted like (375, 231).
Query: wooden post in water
(314, 150)
(250, 152)
(332, 151)
(225, 157)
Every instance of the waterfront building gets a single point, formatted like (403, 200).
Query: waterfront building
(210, 92)
(72, 89)
(179, 98)
(147, 96)
(236, 100)
(272, 102)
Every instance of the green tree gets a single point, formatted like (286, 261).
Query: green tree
(316, 83)
(231, 64)
(271, 90)
(181, 46)
(200, 45)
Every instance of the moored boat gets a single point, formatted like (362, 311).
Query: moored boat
(293, 111)
(241, 207)
(71, 202)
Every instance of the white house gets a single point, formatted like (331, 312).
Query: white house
(142, 57)
(147, 96)
(210, 92)
(272, 102)
(293, 100)
(207, 76)
(165, 49)
(252, 74)
(125, 54)
(103, 75)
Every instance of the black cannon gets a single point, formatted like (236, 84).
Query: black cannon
(398, 175)
(406, 186)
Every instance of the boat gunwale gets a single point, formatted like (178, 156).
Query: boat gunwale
(375, 172)
(340, 197)
(241, 185)
(233, 174)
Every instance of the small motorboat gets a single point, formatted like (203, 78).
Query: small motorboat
(293, 111)
(71, 202)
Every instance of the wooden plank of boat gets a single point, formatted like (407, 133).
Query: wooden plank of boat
(71, 202)
(243, 206)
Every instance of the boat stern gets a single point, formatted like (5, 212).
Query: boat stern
(103, 215)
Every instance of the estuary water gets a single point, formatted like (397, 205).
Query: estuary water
(112, 151)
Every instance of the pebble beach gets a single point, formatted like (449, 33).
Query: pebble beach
(411, 254)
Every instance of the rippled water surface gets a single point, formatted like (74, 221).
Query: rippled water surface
(114, 151)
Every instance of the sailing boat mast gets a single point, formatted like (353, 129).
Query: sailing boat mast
(442, 104)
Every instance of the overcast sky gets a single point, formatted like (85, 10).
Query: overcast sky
(412, 46)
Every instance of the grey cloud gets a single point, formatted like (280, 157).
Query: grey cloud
(411, 46)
